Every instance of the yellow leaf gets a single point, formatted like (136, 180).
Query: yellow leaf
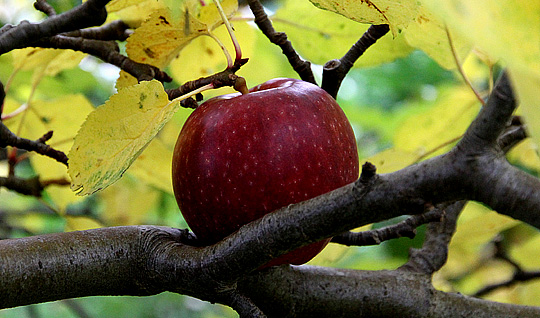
(81, 223)
(428, 33)
(133, 12)
(310, 29)
(527, 253)
(159, 39)
(507, 30)
(116, 133)
(209, 14)
(128, 201)
(49, 61)
(396, 13)
(453, 112)
(204, 56)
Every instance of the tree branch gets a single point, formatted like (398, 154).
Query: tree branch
(314, 292)
(43, 6)
(30, 186)
(8, 138)
(334, 71)
(88, 14)
(115, 31)
(108, 52)
(303, 68)
(405, 228)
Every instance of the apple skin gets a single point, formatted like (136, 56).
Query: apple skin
(239, 157)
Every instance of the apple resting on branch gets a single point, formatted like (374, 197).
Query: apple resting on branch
(241, 156)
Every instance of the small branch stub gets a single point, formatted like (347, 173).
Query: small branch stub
(368, 172)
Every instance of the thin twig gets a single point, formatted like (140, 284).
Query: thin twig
(45, 7)
(405, 228)
(303, 68)
(8, 138)
(334, 71)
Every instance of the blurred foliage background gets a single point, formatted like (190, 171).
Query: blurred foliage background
(403, 109)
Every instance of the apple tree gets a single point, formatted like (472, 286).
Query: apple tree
(87, 205)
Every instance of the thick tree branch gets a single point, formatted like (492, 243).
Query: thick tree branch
(303, 68)
(307, 292)
(334, 71)
(126, 261)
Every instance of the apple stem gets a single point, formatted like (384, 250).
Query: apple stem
(223, 48)
(240, 85)
(192, 93)
(230, 30)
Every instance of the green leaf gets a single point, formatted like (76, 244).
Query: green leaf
(116, 133)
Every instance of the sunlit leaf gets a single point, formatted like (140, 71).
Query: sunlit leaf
(116, 133)
(507, 30)
(52, 61)
(45, 62)
(527, 85)
(133, 12)
(311, 29)
(396, 13)
(160, 38)
(429, 34)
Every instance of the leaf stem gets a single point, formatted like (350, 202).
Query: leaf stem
(193, 93)
(223, 48)
(230, 30)
(460, 67)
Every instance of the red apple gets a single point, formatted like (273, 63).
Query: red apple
(239, 157)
